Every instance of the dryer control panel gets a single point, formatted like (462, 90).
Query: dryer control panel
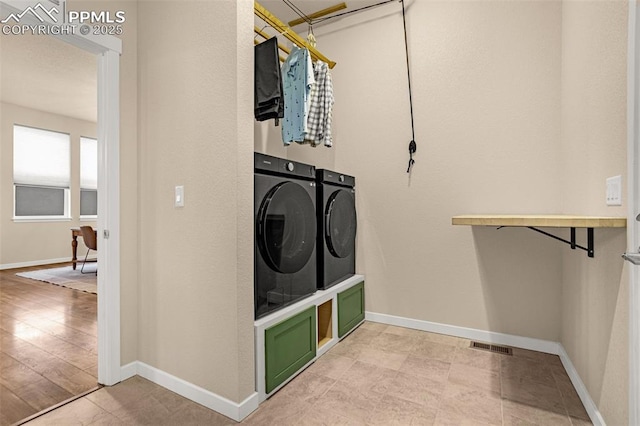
(273, 165)
(328, 176)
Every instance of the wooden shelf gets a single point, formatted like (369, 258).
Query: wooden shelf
(534, 222)
(543, 221)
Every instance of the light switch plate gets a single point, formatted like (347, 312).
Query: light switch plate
(614, 191)
(179, 197)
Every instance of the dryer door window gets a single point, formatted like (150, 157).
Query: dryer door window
(286, 227)
(340, 223)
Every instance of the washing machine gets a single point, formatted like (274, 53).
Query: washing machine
(285, 233)
(337, 225)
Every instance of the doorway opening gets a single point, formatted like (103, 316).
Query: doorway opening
(105, 51)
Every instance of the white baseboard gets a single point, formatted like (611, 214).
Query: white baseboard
(129, 370)
(40, 262)
(190, 391)
(539, 345)
(468, 333)
(583, 393)
(34, 263)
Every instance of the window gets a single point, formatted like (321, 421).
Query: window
(41, 173)
(88, 178)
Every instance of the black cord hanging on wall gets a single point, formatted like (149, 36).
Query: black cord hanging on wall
(412, 145)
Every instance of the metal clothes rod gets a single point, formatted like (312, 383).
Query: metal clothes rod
(267, 37)
(319, 14)
(288, 33)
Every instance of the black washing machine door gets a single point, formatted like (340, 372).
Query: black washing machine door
(286, 227)
(341, 223)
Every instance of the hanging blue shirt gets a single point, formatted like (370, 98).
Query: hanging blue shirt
(297, 79)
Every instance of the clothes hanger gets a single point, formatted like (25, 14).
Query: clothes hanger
(311, 37)
(289, 34)
(260, 32)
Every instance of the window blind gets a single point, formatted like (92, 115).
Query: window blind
(88, 163)
(41, 157)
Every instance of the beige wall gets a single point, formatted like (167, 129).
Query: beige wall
(595, 293)
(195, 129)
(23, 242)
(486, 90)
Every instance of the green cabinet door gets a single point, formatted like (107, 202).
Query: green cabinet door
(289, 345)
(350, 308)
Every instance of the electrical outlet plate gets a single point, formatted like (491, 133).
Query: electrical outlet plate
(614, 191)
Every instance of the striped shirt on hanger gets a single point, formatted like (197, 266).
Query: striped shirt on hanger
(320, 107)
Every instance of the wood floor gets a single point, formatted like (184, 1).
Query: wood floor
(48, 344)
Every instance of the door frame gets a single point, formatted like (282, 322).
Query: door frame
(633, 208)
(107, 50)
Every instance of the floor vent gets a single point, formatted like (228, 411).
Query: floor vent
(492, 348)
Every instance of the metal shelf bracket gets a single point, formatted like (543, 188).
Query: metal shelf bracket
(590, 240)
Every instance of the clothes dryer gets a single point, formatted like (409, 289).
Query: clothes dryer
(285, 233)
(337, 225)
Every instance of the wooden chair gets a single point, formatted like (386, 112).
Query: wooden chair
(89, 237)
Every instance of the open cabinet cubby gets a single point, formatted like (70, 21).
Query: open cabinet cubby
(325, 323)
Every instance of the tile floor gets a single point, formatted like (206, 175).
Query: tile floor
(379, 375)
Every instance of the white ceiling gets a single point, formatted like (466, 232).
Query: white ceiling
(50, 75)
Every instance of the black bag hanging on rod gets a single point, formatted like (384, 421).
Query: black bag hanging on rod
(412, 145)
